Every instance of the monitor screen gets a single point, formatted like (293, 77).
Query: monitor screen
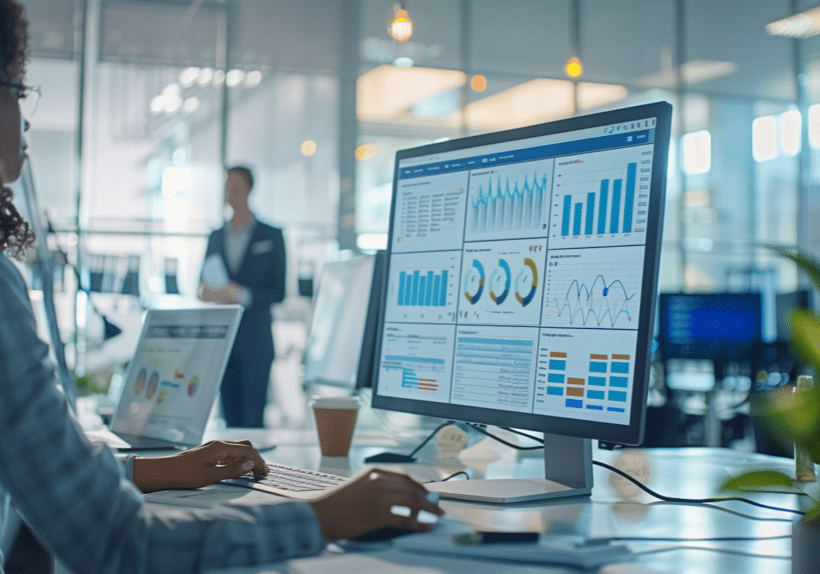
(521, 273)
(342, 329)
(716, 326)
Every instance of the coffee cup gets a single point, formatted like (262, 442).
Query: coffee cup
(335, 422)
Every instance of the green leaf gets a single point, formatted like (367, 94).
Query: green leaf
(808, 265)
(757, 479)
(806, 335)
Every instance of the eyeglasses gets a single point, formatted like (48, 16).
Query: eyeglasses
(28, 96)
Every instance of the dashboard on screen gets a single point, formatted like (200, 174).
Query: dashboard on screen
(521, 274)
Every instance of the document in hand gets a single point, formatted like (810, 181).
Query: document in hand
(214, 274)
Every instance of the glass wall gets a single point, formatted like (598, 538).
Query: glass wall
(172, 92)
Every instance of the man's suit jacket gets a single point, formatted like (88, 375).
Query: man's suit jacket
(263, 272)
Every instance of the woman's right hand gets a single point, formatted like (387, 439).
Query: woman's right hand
(367, 502)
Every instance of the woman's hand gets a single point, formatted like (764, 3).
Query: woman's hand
(208, 463)
(367, 502)
(228, 294)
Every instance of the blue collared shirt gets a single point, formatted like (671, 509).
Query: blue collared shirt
(76, 498)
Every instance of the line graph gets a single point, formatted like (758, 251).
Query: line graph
(593, 289)
(508, 199)
(596, 304)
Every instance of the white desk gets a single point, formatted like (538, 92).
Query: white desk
(693, 472)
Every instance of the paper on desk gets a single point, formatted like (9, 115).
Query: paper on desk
(214, 274)
(353, 564)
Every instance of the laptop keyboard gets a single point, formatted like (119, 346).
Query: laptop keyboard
(291, 478)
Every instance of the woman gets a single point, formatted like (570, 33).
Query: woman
(76, 497)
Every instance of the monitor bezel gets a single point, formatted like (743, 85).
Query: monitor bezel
(631, 434)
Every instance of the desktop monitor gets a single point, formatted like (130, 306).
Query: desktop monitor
(343, 325)
(521, 276)
(720, 327)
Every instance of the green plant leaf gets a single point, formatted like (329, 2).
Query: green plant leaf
(757, 479)
(796, 418)
(806, 335)
(808, 265)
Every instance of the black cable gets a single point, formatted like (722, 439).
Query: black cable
(455, 474)
(665, 498)
(430, 436)
(639, 484)
(502, 441)
(390, 457)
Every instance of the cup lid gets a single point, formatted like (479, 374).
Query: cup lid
(335, 402)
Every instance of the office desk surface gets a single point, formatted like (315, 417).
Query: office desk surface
(615, 509)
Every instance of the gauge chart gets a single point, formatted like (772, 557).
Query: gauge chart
(502, 282)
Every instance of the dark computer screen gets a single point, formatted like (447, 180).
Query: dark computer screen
(718, 326)
(522, 267)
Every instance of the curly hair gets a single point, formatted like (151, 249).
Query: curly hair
(15, 234)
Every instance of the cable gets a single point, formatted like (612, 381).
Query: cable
(455, 474)
(691, 500)
(502, 441)
(390, 457)
(640, 484)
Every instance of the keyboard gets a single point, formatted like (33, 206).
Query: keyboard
(290, 481)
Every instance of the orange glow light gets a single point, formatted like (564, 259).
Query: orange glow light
(308, 148)
(478, 83)
(574, 68)
(401, 28)
(366, 151)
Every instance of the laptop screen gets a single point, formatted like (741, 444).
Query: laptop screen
(175, 373)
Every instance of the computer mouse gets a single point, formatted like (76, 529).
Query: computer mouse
(390, 457)
(381, 534)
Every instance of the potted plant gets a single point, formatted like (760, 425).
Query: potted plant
(795, 418)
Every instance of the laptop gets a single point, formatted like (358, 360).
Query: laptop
(172, 381)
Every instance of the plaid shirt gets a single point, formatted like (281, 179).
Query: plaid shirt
(74, 495)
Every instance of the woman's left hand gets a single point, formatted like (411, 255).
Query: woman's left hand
(200, 466)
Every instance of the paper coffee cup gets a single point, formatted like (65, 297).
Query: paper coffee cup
(335, 423)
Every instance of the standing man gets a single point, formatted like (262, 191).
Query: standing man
(253, 255)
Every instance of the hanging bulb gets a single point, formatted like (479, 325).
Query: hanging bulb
(573, 68)
(401, 28)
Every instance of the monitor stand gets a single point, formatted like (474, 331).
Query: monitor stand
(567, 472)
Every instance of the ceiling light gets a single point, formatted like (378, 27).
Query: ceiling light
(366, 151)
(219, 77)
(308, 148)
(691, 72)
(253, 78)
(234, 78)
(205, 76)
(191, 105)
(403, 62)
(478, 83)
(188, 77)
(401, 28)
(386, 92)
(801, 25)
(573, 67)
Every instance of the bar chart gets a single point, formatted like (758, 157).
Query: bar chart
(591, 381)
(415, 361)
(509, 200)
(601, 203)
(423, 287)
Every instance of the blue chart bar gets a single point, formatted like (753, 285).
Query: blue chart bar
(629, 200)
(616, 205)
(417, 289)
(567, 209)
(602, 206)
(590, 213)
(576, 223)
(403, 288)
